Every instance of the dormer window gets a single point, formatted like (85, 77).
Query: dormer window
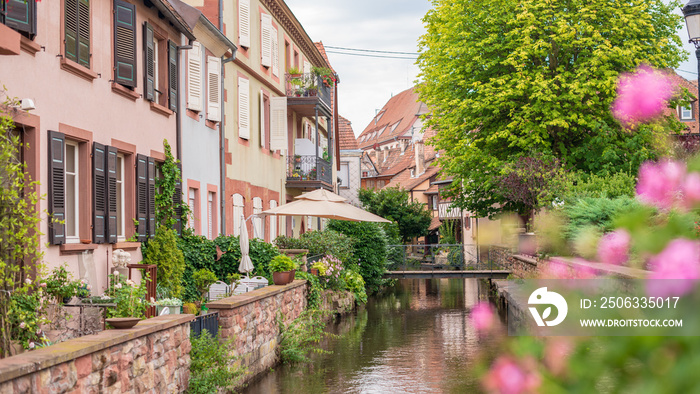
(686, 113)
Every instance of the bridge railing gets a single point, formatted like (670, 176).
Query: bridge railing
(445, 257)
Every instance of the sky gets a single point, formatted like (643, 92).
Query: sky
(366, 83)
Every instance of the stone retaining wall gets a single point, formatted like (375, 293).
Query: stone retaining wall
(251, 318)
(151, 357)
(520, 265)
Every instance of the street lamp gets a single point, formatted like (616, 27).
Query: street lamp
(691, 12)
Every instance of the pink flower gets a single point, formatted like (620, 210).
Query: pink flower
(507, 376)
(691, 189)
(38, 332)
(659, 184)
(555, 269)
(22, 325)
(43, 284)
(118, 286)
(31, 345)
(642, 96)
(28, 281)
(613, 248)
(482, 316)
(115, 273)
(555, 354)
(680, 261)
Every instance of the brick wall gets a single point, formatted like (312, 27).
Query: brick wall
(151, 357)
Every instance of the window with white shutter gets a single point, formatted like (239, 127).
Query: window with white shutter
(275, 53)
(257, 219)
(210, 215)
(238, 209)
(214, 83)
(244, 23)
(243, 108)
(194, 77)
(307, 67)
(278, 123)
(265, 40)
(263, 118)
(273, 222)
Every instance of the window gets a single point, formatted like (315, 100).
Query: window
(192, 203)
(244, 23)
(435, 202)
(243, 108)
(72, 190)
(238, 209)
(145, 198)
(686, 113)
(211, 215)
(265, 40)
(296, 59)
(214, 84)
(77, 31)
(160, 68)
(258, 230)
(278, 123)
(273, 222)
(344, 175)
(124, 43)
(194, 77)
(121, 220)
(264, 120)
(19, 15)
(286, 56)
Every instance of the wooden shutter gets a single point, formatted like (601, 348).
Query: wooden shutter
(149, 65)
(278, 123)
(124, 43)
(70, 28)
(263, 115)
(177, 202)
(265, 40)
(151, 197)
(275, 52)
(142, 196)
(99, 193)
(84, 33)
(214, 79)
(172, 75)
(77, 31)
(244, 23)
(57, 188)
(194, 77)
(21, 16)
(111, 168)
(243, 108)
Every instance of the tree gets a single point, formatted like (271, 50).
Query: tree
(412, 218)
(508, 79)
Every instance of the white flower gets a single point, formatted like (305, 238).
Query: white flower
(22, 325)
(130, 282)
(31, 345)
(82, 281)
(28, 281)
(153, 300)
(115, 273)
(118, 286)
(89, 287)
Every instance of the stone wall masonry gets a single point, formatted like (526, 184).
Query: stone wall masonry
(251, 319)
(154, 357)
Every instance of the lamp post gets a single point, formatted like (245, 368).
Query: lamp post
(691, 12)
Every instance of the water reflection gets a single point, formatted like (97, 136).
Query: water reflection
(414, 338)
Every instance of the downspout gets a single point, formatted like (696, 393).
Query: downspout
(178, 119)
(222, 140)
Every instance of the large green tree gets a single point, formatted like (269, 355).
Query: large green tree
(512, 79)
(411, 217)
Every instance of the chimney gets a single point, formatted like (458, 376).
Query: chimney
(385, 154)
(420, 157)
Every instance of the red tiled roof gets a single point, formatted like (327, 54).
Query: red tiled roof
(346, 137)
(322, 49)
(434, 223)
(692, 86)
(396, 118)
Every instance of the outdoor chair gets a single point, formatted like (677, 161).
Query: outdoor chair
(218, 290)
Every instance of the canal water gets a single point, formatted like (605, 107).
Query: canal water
(414, 338)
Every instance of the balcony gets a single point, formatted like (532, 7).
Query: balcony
(305, 92)
(447, 211)
(309, 173)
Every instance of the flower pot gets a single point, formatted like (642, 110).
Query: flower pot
(291, 276)
(172, 309)
(314, 271)
(282, 278)
(121, 323)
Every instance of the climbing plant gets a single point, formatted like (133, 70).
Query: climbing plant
(166, 184)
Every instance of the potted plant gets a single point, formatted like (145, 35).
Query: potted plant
(173, 304)
(297, 158)
(61, 286)
(283, 269)
(312, 90)
(130, 300)
(326, 74)
(312, 173)
(294, 72)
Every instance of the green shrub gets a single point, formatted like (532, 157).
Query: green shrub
(313, 294)
(281, 263)
(355, 284)
(369, 248)
(203, 278)
(323, 243)
(598, 213)
(579, 185)
(163, 251)
(211, 367)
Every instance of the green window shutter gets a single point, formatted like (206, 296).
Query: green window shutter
(111, 168)
(99, 193)
(142, 196)
(21, 16)
(84, 33)
(57, 187)
(172, 76)
(149, 66)
(70, 27)
(124, 43)
(151, 197)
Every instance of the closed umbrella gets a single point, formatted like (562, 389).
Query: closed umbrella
(246, 264)
(324, 204)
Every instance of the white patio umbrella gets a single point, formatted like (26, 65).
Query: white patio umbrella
(324, 204)
(246, 264)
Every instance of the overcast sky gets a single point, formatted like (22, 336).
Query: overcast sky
(386, 25)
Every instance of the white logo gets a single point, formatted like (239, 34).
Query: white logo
(543, 297)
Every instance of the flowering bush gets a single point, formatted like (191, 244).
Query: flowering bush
(61, 285)
(330, 272)
(129, 297)
(169, 302)
(28, 314)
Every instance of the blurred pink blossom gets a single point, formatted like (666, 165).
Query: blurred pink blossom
(642, 95)
(680, 261)
(556, 269)
(507, 376)
(482, 316)
(583, 271)
(659, 183)
(556, 353)
(691, 189)
(613, 248)
(31, 345)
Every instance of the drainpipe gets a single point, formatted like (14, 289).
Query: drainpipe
(178, 119)
(222, 141)
(317, 139)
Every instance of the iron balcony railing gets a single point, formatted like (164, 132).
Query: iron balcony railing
(308, 168)
(308, 85)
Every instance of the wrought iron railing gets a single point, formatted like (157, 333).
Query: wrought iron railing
(209, 322)
(308, 85)
(440, 257)
(308, 168)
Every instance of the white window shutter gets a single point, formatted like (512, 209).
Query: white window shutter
(194, 77)
(307, 68)
(244, 22)
(275, 53)
(278, 123)
(266, 38)
(243, 108)
(214, 81)
(262, 119)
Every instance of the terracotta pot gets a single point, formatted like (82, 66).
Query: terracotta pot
(314, 271)
(122, 322)
(291, 276)
(282, 278)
